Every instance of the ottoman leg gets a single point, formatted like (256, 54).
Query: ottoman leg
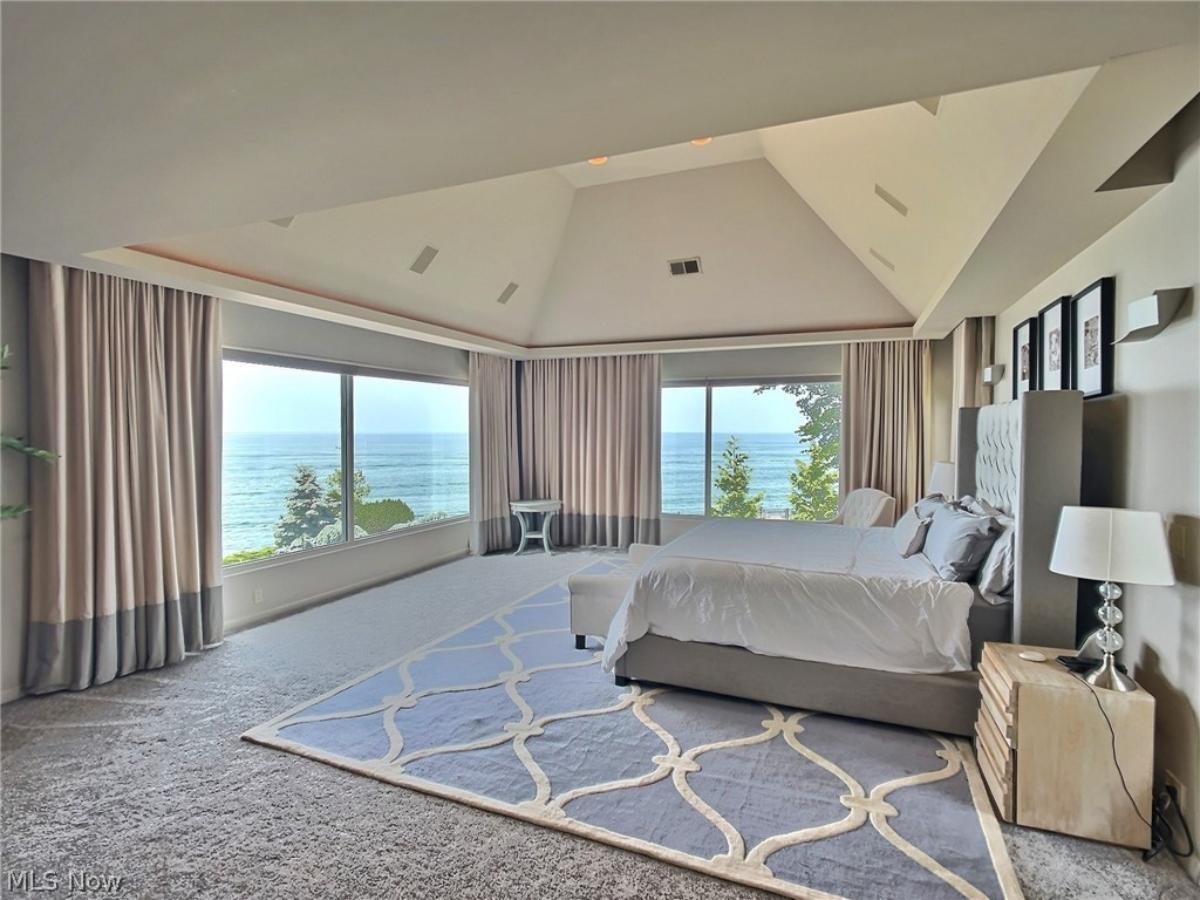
(580, 642)
(620, 681)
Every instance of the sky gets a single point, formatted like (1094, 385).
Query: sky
(736, 410)
(277, 400)
(273, 399)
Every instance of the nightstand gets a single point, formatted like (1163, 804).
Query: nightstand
(1046, 752)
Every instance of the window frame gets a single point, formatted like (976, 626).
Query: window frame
(347, 373)
(734, 381)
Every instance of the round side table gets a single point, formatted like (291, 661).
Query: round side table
(522, 509)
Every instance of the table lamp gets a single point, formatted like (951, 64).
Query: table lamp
(1109, 545)
(941, 479)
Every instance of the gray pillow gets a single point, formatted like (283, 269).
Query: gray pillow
(958, 542)
(999, 569)
(927, 506)
(909, 533)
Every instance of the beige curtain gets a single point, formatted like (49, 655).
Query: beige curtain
(589, 436)
(126, 523)
(973, 342)
(886, 418)
(493, 417)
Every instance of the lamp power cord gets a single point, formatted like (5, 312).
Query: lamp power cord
(1162, 831)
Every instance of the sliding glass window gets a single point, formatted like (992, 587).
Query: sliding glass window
(410, 453)
(292, 428)
(752, 450)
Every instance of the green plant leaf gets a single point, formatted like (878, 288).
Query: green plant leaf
(18, 445)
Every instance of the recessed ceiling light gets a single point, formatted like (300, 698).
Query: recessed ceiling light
(597, 160)
(702, 142)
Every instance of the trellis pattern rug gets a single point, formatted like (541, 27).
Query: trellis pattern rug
(506, 715)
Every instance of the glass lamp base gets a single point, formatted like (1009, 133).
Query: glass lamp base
(1108, 677)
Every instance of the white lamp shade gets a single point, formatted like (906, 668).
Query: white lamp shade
(941, 479)
(1104, 544)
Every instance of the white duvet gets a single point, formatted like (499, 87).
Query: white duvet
(802, 590)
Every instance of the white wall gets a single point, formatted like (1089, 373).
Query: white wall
(14, 477)
(1142, 445)
(769, 263)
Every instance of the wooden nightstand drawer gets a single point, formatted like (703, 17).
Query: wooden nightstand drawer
(999, 787)
(1046, 752)
(999, 711)
(988, 741)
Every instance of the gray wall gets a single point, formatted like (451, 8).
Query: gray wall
(256, 328)
(1142, 445)
(773, 362)
(14, 471)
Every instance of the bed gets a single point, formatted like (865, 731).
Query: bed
(832, 619)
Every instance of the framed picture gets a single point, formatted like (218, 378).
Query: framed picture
(1092, 339)
(1025, 358)
(1054, 343)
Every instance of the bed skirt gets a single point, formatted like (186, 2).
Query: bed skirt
(946, 703)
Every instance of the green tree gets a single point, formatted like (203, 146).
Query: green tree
(18, 445)
(307, 511)
(733, 481)
(362, 490)
(814, 479)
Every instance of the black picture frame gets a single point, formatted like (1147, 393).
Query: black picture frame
(1025, 333)
(1055, 363)
(1092, 346)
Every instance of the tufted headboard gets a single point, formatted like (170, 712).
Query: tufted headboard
(1025, 457)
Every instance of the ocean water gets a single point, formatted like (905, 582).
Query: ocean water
(772, 458)
(429, 472)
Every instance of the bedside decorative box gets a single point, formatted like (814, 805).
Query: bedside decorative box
(1046, 751)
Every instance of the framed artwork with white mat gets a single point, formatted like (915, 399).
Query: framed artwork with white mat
(1025, 357)
(1054, 346)
(1092, 339)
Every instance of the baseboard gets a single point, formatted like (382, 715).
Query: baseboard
(304, 603)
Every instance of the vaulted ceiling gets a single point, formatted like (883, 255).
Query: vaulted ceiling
(305, 160)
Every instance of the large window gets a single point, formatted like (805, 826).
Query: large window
(752, 450)
(287, 444)
(410, 453)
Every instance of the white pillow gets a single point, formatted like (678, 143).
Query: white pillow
(909, 533)
(999, 570)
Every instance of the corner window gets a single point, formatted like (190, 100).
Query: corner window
(292, 429)
(752, 450)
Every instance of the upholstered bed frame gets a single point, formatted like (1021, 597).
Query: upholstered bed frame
(1023, 457)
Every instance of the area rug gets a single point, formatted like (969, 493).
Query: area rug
(506, 715)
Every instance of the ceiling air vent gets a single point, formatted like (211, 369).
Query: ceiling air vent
(684, 266)
(883, 259)
(424, 258)
(890, 199)
(506, 294)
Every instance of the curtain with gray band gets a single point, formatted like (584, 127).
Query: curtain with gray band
(126, 524)
(973, 344)
(493, 454)
(886, 398)
(589, 436)
(584, 431)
